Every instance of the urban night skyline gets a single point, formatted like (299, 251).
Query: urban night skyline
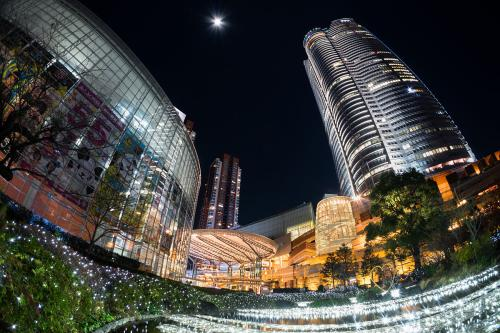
(248, 82)
(244, 166)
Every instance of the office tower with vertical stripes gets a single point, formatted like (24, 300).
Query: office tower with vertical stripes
(378, 115)
(222, 195)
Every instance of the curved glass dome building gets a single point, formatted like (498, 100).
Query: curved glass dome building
(377, 114)
(335, 224)
(133, 127)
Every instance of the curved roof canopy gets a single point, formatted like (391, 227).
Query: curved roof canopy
(230, 246)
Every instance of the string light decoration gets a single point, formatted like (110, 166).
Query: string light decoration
(476, 312)
(468, 305)
(120, 290)
(425, 299)
(389, 275)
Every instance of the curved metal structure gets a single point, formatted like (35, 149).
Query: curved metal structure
(230, 246)
(377, 114)
(135, 127)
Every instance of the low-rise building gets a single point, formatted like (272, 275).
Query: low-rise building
(476, 179)
(295, 221)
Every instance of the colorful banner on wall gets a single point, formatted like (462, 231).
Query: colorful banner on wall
(91, 132)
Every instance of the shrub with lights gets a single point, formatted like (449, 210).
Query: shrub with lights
(39, 292)
(47, 286)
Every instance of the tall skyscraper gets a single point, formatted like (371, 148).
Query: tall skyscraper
(378, 114)
(222, 195)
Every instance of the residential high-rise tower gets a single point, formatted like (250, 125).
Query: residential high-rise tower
(378, 115)
(222, 194)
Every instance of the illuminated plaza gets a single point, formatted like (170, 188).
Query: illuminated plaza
(438, 310)
(248, 211)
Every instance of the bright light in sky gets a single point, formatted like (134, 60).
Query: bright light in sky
(217, 21)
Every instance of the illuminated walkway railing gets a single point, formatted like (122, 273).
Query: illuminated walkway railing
(469, 305)
(425, 299)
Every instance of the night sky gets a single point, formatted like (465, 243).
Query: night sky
(246, 89)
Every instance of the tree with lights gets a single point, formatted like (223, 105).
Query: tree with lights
(111, 212)
(397, 255)
(347, 267)
(339, 265)
(475, 221)
(410, 208)
(331, 267)
(370, 261)
(469, 216)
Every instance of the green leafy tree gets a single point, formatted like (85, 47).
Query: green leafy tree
(331, 267)
(370, 261)
(469, 216)
(410, 208)
(347, 267)
(111, 212)
(473, 219)
(396, 254)
(339, 265)
(39, 292)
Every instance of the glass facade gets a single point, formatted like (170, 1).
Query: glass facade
(296, 222)
(335, 224)
(377, 114)
(134, 127)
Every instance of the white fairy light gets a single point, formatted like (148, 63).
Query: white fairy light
(395, 293)
(456, 315)
(336, 312)
(444, 308)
